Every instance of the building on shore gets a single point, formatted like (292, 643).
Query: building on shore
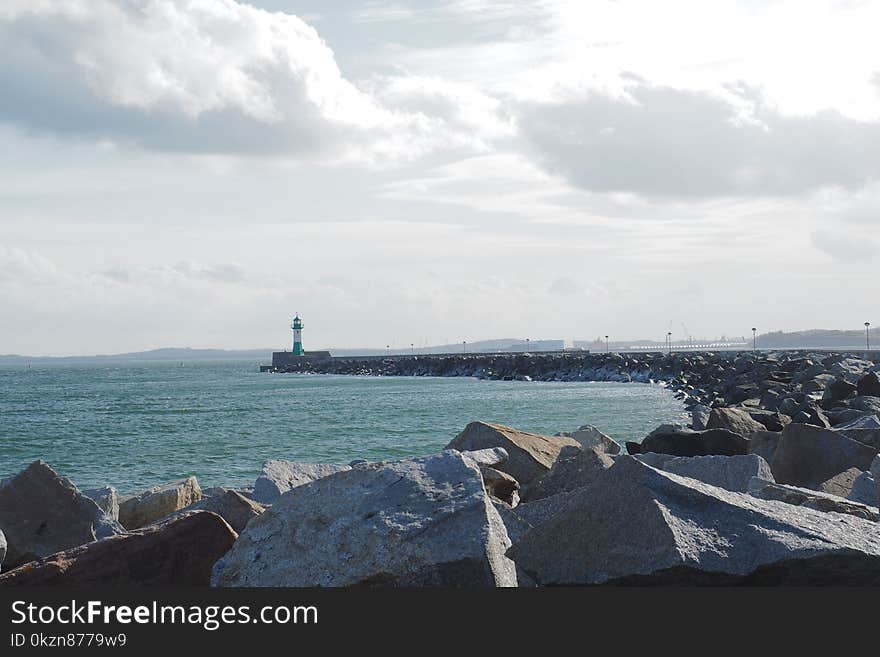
(282, 359)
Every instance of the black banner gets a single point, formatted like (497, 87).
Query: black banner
(108, 621)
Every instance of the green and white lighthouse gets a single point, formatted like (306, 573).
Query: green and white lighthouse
(297, 327)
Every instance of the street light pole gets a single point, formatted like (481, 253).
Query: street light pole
(464, 346)
(669, 341)
(867, 336)
(754, 339)
(607, 348)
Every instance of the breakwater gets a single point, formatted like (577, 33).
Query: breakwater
(793, 380)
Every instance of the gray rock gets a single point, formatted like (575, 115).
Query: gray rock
(414, 522)
(736, 420)
(527, 515)
(764, 444)
(862, 422)
(870, 405)
(107, 499)
(869, 385)
(875, 473)
(699, 417)
(864, 490)
(807, 456)
(589, 436)
(2, 548)
(696, 443)
(869, 437)
(232, 506)
(279, 476)
(500, 486)
(840, 484)
(157, 502)
(839, 390)
(575, 468)
(728, 472)
(810, 499)
(42, 513)
(639, 524)
(487, 458)
(529, 455)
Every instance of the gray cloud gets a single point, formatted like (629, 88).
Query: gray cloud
(669, 142)
(845, 246)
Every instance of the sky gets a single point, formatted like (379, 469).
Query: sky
(190, 173)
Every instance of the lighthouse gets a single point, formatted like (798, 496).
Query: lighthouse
(297, 327)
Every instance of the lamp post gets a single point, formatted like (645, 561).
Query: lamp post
(464, 346)
(527, 344)
(754, 339)
(669, 341)
(387, 349)
(867, 336)
(412, 348)
(607, 349)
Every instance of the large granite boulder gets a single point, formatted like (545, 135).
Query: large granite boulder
(2, 548)
(719, 442)
(840, 484)
(732, 473)
(700, 416)
(868, 404)
(736, 420)
(838, 390)
(575, 468)
(414, 522)
(637, 524)
(232, 506)
(869, 385)
(875, 472)
(811, 499)
(500, 486)
(42, 512)
(807, 456)
(154, 503)
(589, 437)
(179, 551)
(107, 499)
(279, 476)
(764, 444)
(869, 437)
(529, 455)
(865, 490)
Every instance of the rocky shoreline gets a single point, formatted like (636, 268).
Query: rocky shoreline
(775, 482)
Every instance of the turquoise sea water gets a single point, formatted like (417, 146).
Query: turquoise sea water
(137, 425)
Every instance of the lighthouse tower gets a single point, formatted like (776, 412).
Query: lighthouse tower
(297, 327)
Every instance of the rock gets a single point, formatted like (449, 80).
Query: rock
(107, 500)
(414, 522)
(817, 418)
(527, 515)
(575, 468)
(811, 499)
(632, 448)
(728, 472)
(279, 476)
(529, 455)
(636, 524)
(699, 417)
(42, 513)
(2, 548)
(838, 390)
(770, 420)
(232, 506)
(840, 484)
(764, 443)
(861, 422)
(875, 473)
(176, 552)
(807, 456)
(734, 419)
(869, 405)
(869, 385)
(864, 490)
(154, 503)
(487, 458)
(698, 443)
(500, 486)
(869, 437)
(589, 436)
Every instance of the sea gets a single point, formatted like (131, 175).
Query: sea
(133, 425)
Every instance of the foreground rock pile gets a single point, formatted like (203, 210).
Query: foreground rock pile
(780, 487)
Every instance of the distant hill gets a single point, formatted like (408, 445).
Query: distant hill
(166, 354)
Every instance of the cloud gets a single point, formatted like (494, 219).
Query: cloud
(661, 141)
(203, 76)
(26, 267)
(845, 246)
